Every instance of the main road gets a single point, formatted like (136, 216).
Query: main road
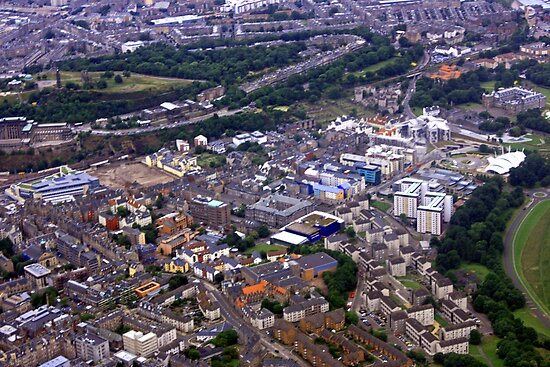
(509, 257)
(235, 318)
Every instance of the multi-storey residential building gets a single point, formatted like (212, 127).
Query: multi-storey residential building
(423, 313)
(312, 306)
(91, 347)
(413, 199)
(455, 331)
(458, 346)
(262, 319)
(213, 212)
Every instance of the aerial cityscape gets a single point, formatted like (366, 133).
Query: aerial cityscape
(275, 183)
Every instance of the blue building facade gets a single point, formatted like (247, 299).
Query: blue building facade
(371, 174)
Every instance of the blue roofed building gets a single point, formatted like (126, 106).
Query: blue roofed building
(59, 187)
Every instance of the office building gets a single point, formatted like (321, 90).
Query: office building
(142, 345)
(92, 347)
(57, 362)
(59, 187)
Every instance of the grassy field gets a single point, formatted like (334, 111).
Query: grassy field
(538, 142)
(263, 247)
(132, 84)
(204, 159)
(326, 110)
(382, 205)
(532, 253)
(489, 86)
(478, 269)
(531, 321)
(470, 106)
(489, 347)
(375, 67)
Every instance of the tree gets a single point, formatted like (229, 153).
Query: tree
(352, 318)
(475, 337)
(118, 79)
(263, 231)
(177, 281)
(159, 202)
(226, 339)
(192, 353)
(350, 232)
(218, 278)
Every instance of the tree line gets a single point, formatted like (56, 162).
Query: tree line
(475, 235)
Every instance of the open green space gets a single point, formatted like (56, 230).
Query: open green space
(210, 160)
(410, 283)
(531, 321)
(470, 106)
(263, 247)
(375, 67)
(478, 269)
(417, 111)
(532, 253)
(382, 205)
(133, 83)
(489, 346)
(326, 110)
(442, 322)
(489, 86)
(537, 142)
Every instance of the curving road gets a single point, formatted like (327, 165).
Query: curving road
(509, 256)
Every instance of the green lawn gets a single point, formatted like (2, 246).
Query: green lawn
(135, 83)
(375, 67)
(532, 253)
(204, 160)
(489, 346)
(417, 111)
(470, 106)
(478, 269)
(489, 86)
(264, 247)
(442, 322)
(529, 320)
(382, 205)
(538, 142)
(409, 283)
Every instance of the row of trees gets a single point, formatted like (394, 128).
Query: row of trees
(225, 65)
(74, 106)
(475, 235)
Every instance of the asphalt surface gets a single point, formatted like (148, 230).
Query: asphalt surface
(509, 256)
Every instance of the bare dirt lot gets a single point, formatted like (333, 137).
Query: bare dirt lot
(120, 175)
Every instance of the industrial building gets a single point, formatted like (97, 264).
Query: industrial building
(309, 228)
(278, 210)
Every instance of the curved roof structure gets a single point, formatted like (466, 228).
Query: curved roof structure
(504, 163)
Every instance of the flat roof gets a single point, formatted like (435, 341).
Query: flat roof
(57, 361)
(288, 237)
(37, 270)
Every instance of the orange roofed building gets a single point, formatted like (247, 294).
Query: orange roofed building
(256, 293)
(446, 73)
